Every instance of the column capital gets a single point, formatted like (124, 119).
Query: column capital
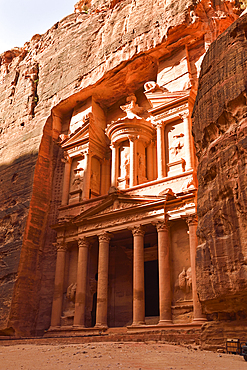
(114, 146)
(138, 230)
(66, 158)
(162, 226)
(184, 115)
(105, 237)
(159, 124)
(83, 242)
(61, 246)
(191, 219)
(133, 137)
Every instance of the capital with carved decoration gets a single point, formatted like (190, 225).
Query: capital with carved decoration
(83, 243)
(163, 225)
(61, 246)
(138, 230)
(105, 237)
(133, 137)
(191, 220)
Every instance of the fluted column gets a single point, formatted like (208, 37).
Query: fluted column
(81, 283)
(102, 288)
(87, 176)
(57, 304)
(197, 310)
(66, 180)
(161, 151)
(133, 174)
(188, 148)
(114, 164)
(164, 274)
(138, 276)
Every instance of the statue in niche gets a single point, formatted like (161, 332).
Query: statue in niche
(183, 284)
(132, 109)
(141, 168)
(70, 301)
(124, 169)
(78, 176)
(176, 145)
(182, 279)
(95, 182)
(71, 292)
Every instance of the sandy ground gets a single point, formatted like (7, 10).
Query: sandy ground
(140, 356)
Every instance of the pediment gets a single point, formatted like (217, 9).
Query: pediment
(113, 204)
(159, 99)
(79, 135)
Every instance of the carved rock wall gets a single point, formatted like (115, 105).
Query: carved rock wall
(108, 53)
(220, 129)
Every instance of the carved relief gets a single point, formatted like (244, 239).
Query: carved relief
(124, 166)
(183, 285)
(176, 146)
(71, 292)
(95, 176)
(132, 109)
(77, 176)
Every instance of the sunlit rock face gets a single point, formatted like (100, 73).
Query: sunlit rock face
(219, 128)
(103, 54)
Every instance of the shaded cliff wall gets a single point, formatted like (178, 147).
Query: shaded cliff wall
(106, 54)
(220, 132)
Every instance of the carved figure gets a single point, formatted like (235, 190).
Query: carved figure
(78, 176)
(132, 109)
(177, 144)
(71, 292)
(189, 279)
(182, 280)
(185, 280)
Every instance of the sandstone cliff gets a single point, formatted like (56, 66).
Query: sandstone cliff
(106, 53)
(220, 129)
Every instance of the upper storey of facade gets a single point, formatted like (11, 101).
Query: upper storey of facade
(141, 145)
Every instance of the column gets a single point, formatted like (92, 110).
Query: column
(87, 176)
(161, 151)
(114, 164)
(102, 287)
(192, 222)
(57, 304)
(81, 284)
(165, 295)
(66, 180)
(188, 148)
(133, 174)
(138, 276)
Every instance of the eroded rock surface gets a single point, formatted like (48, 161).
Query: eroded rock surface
(220, 130)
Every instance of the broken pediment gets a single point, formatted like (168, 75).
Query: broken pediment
(159, 97)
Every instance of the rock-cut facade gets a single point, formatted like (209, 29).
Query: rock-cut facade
(99, 186)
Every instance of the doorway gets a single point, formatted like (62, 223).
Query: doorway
(151, 288)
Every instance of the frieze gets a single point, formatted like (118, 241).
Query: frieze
(120, 220)
(169, 112)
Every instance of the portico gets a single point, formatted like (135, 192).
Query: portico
(140, 229)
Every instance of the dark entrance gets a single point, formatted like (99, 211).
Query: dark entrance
(151, 288)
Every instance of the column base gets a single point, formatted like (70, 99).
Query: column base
(199, 320)
(165, 322)
(101, 327)
(52, 328)
(138, 323)
(77, 326)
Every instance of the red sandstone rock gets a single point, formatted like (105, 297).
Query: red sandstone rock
(220, 129)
